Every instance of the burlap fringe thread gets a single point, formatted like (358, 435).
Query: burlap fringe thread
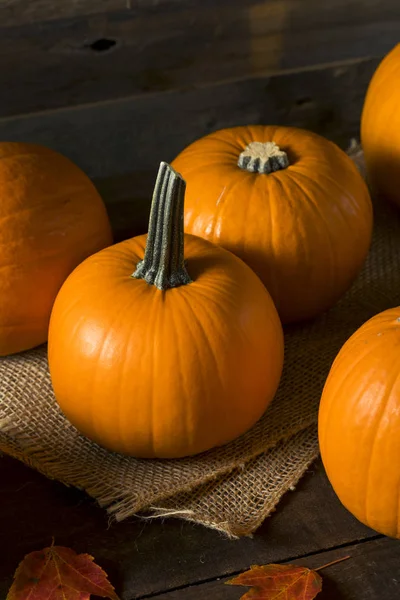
(230, 489)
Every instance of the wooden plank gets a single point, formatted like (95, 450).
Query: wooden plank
(372, 572)
(175, 45)
(135, 134)
(18, 12)
(149, 557)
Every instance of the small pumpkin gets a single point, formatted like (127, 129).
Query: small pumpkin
(380, 128)
(173, 359)
(51, 218)
(288, 202)
(359, 424)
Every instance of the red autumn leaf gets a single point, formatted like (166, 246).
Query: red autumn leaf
(58, 573)
(279, 582)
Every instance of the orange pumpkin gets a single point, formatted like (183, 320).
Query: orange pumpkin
(359, 424)
(51, 218)
(173, 360)
(380, 128)
(288, 202)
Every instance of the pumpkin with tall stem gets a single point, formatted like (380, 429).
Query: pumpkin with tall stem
(164, 345)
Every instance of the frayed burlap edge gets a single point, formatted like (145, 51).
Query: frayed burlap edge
(239, 502)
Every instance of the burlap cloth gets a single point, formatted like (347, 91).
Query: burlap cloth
(231, 489)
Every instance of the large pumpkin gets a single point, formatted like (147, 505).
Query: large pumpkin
(380, 128)
(359, 423)
(288, 202)
(51, 218)
(170, 361)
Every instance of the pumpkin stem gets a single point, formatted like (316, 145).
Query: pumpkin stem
(259, 157)
(163, 264)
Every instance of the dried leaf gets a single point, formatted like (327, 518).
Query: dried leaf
(58, 573)
(279, 582)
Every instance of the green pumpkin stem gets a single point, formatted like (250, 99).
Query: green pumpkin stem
(163, 264)
(263, 157)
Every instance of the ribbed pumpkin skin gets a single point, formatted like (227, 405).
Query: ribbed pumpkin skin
(380, 128)
(359, 424)
(164, 374)
(304, 230)
(51, 218)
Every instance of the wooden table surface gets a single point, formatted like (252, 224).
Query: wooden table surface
(174, 560)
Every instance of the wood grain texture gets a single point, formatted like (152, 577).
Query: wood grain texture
(135, 134)
(371, 573)
(19, 12)
(173, 45)
(150, 557)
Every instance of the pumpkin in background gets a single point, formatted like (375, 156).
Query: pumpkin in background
(380, 128)
(173, 359)
(359, 424)
(288, 202)
(51, 218)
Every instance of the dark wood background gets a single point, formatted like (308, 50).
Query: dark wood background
(119, 85)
